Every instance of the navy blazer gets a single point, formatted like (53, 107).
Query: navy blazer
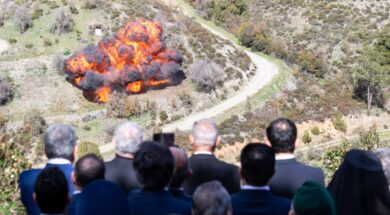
(72, 205)
(27, 182)
(291, 174)
(161, 202)
(180, 194)
(259, 202)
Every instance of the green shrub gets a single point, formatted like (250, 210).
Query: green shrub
(306, 138)
(163, 116)
(87, 147)
(339, 123)
(315, 130)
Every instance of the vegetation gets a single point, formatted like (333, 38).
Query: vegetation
(63, 23)
(339, 123)
(207, 75)
(306, 138)
(6, 92)
(87, 147)
(22, 19)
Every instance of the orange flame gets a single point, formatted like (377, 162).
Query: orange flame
(123, 61)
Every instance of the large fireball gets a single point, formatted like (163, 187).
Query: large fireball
(132, 61)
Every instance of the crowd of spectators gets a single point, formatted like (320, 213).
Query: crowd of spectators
(149, 177)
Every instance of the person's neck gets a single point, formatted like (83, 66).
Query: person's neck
(125, 155)
(198, 148)
(284, 153)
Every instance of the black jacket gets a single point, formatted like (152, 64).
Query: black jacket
(207, 168)
(121, 171)
(291, 174)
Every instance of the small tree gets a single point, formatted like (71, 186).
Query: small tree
(339, 123)
(204, 8)
(58, 63)
(6, 92)
(306, 138)
(369, 139)
(208, 75)
(163, 116)
(64, 22)
(22, 19)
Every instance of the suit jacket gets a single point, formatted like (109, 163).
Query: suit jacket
(27, 182)
(291, 174)
(259, 202)
(120, 170)
(72, 205)
(180, 194)
(207, 168)
(161, 202)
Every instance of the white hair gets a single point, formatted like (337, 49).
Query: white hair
(60, 141)
(128, 137)
(205, 132)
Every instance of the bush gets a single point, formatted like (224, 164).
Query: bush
(6, 92)
(87, 147)
(58, 63)
(315, 130)
(91, 4)
(206, 74)
(163, 116)
(339, 123)
(306, 138)
(34, 123)
(22, 19)
(64, 23)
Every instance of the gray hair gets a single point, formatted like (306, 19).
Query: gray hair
(128, 137)
(384, 156)
(60, 141)
(211, 198)
(205, 132)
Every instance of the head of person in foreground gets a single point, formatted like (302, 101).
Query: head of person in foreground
(204, 135)
(211, 198)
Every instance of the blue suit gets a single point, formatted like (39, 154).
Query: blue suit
(161, 202)
(72, 205)
(27, 182)
(179, 194)
(259, 202)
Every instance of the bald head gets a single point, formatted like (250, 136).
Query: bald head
(205, 132)
(182, 169)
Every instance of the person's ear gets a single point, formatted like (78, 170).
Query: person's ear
(75, 153)
(73, 177)
(267, 142)
(191, 139)
(291, 212)
(218, 141)
(34, 195)
(189, 173)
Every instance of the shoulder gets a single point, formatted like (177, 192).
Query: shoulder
(281, 201)
(29, 174)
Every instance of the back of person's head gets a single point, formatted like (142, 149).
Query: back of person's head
(257, 164)
(313, 199)
(128, 137)
(102, 197)
(384, 156)
(205, 132)
(154, 164)
(359, 184)
(60, 141)
(211, 198)
(51, 191)
(182, 168)
(282, 134)
(87, 169)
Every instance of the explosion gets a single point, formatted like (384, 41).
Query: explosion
(132, 61)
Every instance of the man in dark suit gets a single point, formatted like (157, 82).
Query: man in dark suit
(51, 191)
(204, 165)
(155, 164)
(182, 172)
(120, 170)
(255, 197)
(87, 169)
(290, 174)
(211, 198)
(60, 142)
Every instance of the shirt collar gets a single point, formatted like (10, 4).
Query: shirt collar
(284, 156)
(250, 187)
(76, 192)
(58, 161)
(203, 153)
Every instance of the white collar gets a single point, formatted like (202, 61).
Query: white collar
(50, 214)
(58, 161)
(250, 187)
(203, 153)
(76, 192)
(284, 156)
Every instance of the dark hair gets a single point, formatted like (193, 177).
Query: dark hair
(88, 168)
(257, 163)
(51, 191)
(282, 134)
(154, 164)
